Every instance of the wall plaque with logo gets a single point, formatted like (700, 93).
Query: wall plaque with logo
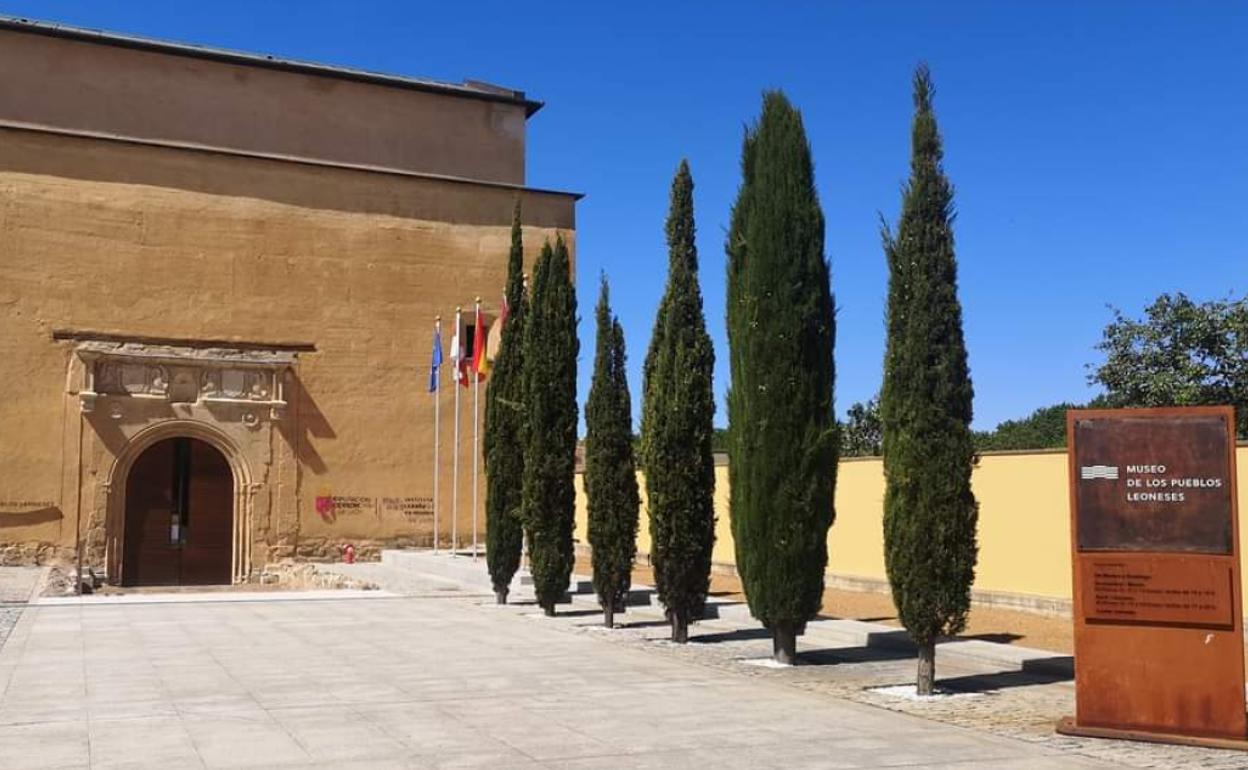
(1159, 651)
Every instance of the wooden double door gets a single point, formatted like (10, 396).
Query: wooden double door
(179, 516)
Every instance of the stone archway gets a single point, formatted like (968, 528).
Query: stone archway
(178, 515)
(240, 540)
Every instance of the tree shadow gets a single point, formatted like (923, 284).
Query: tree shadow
(578, 613)
(1003, 638)
(880, 646)
(839, 655)
(1039, 671)
(739, 635)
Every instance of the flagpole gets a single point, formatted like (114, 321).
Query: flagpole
(524, 531)
(476, 420)
(437, 430)
(459, 353)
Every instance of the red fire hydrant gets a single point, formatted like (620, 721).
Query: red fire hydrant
(348, 553)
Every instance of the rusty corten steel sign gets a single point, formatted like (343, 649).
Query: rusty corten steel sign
(1153, 484)
(1159, 649)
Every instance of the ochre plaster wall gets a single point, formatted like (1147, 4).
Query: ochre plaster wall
(1024, 523)
(115, 90)
(114, 238)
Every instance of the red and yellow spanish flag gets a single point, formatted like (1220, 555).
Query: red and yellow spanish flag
(480, 362)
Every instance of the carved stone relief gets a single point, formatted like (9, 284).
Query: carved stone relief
(185, 375)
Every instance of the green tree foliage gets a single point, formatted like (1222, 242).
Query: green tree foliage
(1044, 428)
(930, 512)
(547, 497)
(862, 433)
(781, 330)
(676, 426)
(1181, 353)
(504, 430)
(610, 471)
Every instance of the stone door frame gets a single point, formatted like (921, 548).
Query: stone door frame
(134, 393)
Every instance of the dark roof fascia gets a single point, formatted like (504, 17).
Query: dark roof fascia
(16, 24)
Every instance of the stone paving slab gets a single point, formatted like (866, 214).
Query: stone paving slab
(1019, 692)
(17, 586)
(418, 682)
(403, 566)
(200, 597)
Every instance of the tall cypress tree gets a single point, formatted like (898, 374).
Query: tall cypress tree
(504, 430)
(610, 471)
(548, 500)
(677, 426)
(930, 512)
(781, 330)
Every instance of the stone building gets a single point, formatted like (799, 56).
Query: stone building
(219, 274)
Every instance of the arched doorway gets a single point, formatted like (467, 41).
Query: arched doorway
(179, 516)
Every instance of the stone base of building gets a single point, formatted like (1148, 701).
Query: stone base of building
(325, 549)
(35, 555)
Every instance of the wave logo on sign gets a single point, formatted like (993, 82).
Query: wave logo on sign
(1109, 472)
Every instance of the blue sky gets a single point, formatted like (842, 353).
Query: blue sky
(1097, 148)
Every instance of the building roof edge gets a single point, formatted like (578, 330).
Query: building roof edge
(469, 90)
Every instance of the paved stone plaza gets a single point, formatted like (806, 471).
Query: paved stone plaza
(439, 678)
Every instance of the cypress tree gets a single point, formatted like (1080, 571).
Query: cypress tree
(548, 499)
(610, 471)
(781, 329)
(925, 406)
(677, 426)
(504, 430)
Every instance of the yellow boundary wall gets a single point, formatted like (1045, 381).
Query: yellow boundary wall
(1024, 527)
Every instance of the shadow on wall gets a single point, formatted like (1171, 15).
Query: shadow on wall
(29, 518)
(108, 428)
(308, 423)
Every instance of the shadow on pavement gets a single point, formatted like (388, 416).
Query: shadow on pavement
(838, 655)
(995, 638)
(739, 635)
(1060, 668)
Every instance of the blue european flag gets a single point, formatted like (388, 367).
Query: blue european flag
(436, 364)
